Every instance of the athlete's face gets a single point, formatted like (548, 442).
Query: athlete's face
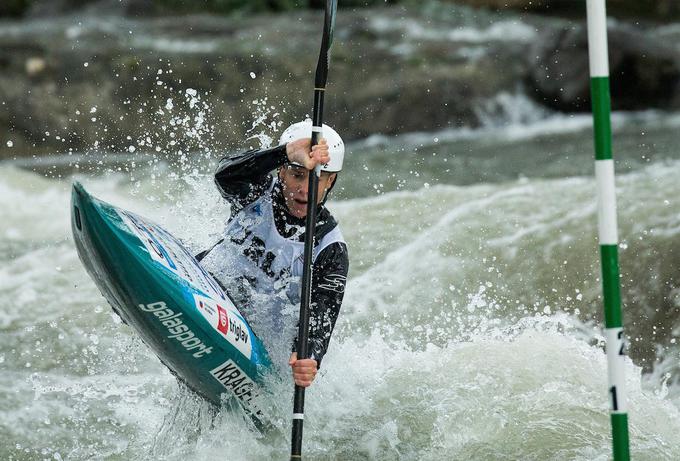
(295, 181)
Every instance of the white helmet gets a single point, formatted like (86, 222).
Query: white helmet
(336, 148)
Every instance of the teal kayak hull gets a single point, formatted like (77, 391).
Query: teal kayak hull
(159, 289)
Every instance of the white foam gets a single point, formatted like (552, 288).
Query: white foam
(515, 117)
(412, 29)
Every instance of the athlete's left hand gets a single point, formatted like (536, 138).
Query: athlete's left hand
(301, 152)
(304, 370)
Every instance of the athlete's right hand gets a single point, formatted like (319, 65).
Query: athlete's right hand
(304, 370)
(299, 152)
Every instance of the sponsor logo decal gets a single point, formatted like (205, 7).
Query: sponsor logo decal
(223, 320)
(227, 321)
(233, 378)
(178, 330)
(333, 282)
(146, 235)
(166, 250)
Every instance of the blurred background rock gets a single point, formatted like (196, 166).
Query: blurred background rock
(663, 10)
(77, 75)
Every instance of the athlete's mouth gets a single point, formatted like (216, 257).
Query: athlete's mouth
(300, 202)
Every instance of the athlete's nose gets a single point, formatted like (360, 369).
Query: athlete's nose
(303, 186)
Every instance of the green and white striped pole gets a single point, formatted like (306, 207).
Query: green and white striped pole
(607, 227)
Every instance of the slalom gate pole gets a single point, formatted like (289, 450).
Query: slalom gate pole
(607, 225)
(310, 223)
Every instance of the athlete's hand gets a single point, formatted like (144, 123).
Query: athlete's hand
(299, 152)
(304, 370)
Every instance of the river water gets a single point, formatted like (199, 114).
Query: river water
(471, 327)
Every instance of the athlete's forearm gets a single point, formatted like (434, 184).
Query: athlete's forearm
(330, 273)
(321, 324)
(242, 178)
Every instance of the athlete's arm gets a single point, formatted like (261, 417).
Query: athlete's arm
(330, 277)
(243, 178)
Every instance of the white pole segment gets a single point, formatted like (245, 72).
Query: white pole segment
(606, 202)
(616, 370)
(597, 38)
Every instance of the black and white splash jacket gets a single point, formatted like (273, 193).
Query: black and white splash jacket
(262, 252)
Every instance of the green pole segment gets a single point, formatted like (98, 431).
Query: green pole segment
(599, 90)
(607, 225)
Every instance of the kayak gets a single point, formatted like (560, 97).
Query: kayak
(178, 309)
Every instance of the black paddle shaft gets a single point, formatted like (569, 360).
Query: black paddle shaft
(310, 224)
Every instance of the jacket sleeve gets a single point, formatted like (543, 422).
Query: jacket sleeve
(330, 277)
(243, 178)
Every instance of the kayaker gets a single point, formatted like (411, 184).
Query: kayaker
(261, 253)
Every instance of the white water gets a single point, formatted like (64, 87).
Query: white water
(458, 339)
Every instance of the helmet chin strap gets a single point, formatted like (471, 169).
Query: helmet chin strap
(328, 191)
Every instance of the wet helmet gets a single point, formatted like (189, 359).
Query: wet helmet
(336, 148)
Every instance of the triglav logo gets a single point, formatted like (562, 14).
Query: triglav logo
(223, 322)
(240, 333)
(227, 321)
